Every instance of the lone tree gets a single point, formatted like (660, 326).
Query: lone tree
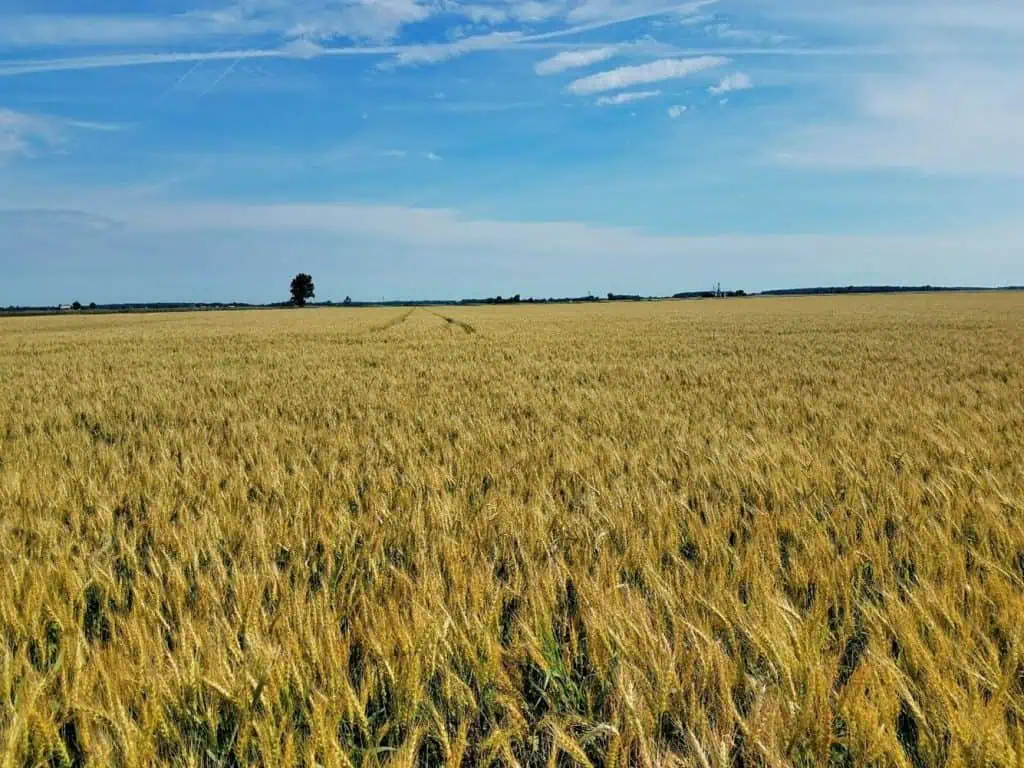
(302, 289)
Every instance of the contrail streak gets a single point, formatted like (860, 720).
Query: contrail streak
(223, 74)
(179, 81)
(115, 61)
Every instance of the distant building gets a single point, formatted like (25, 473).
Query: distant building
(64, 307)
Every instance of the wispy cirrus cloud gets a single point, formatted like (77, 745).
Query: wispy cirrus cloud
(940, 120)
(962, 17)
(935, 96)
(432, 54)
(38, 30)
(740, 81)
(24, 134)
(959, 113)
(121, 60)
(528, 11)
(302, 48)
(733, 33)
(417, 54)
(641, 74)
(628, 97)
(590, 11)
(373, 20)
(190, 240)
(91, 125)
(566, 60)
(313, 29)
(628, 11)
(402, 154)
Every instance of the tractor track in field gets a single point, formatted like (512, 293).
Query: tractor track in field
(392, 323)
(469, 329)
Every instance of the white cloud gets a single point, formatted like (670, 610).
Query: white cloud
(376, 20)
(302, 48)
(693, 21)
(39, 30)
(460, 106)
(601, 10)
(432, 54)
(117, 60)
(615, 13)
(401, 154)
(739, 81)
(959, 113)
(89, 125)
(942, 120)
(482, 14)
(528, 11)
(918, 16)
(296, 30)
(189, 241)
(627, 97)
(535, 11)
(26, 135)
(436, 52)
(732, 33)
(23, 134)
(46, 219)
(574, 59)
(654, 72)
(676, 111)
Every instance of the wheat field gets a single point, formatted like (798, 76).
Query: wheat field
(760, 532)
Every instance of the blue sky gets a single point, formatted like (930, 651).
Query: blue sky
(209, 149)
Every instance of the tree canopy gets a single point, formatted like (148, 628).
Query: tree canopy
(303, 289)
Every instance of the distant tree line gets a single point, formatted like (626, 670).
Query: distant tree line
(627, 297)
(517, 299)
(709, 295)
(819, 291)
(303, 291)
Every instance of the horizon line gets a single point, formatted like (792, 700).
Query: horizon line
(513, 299)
